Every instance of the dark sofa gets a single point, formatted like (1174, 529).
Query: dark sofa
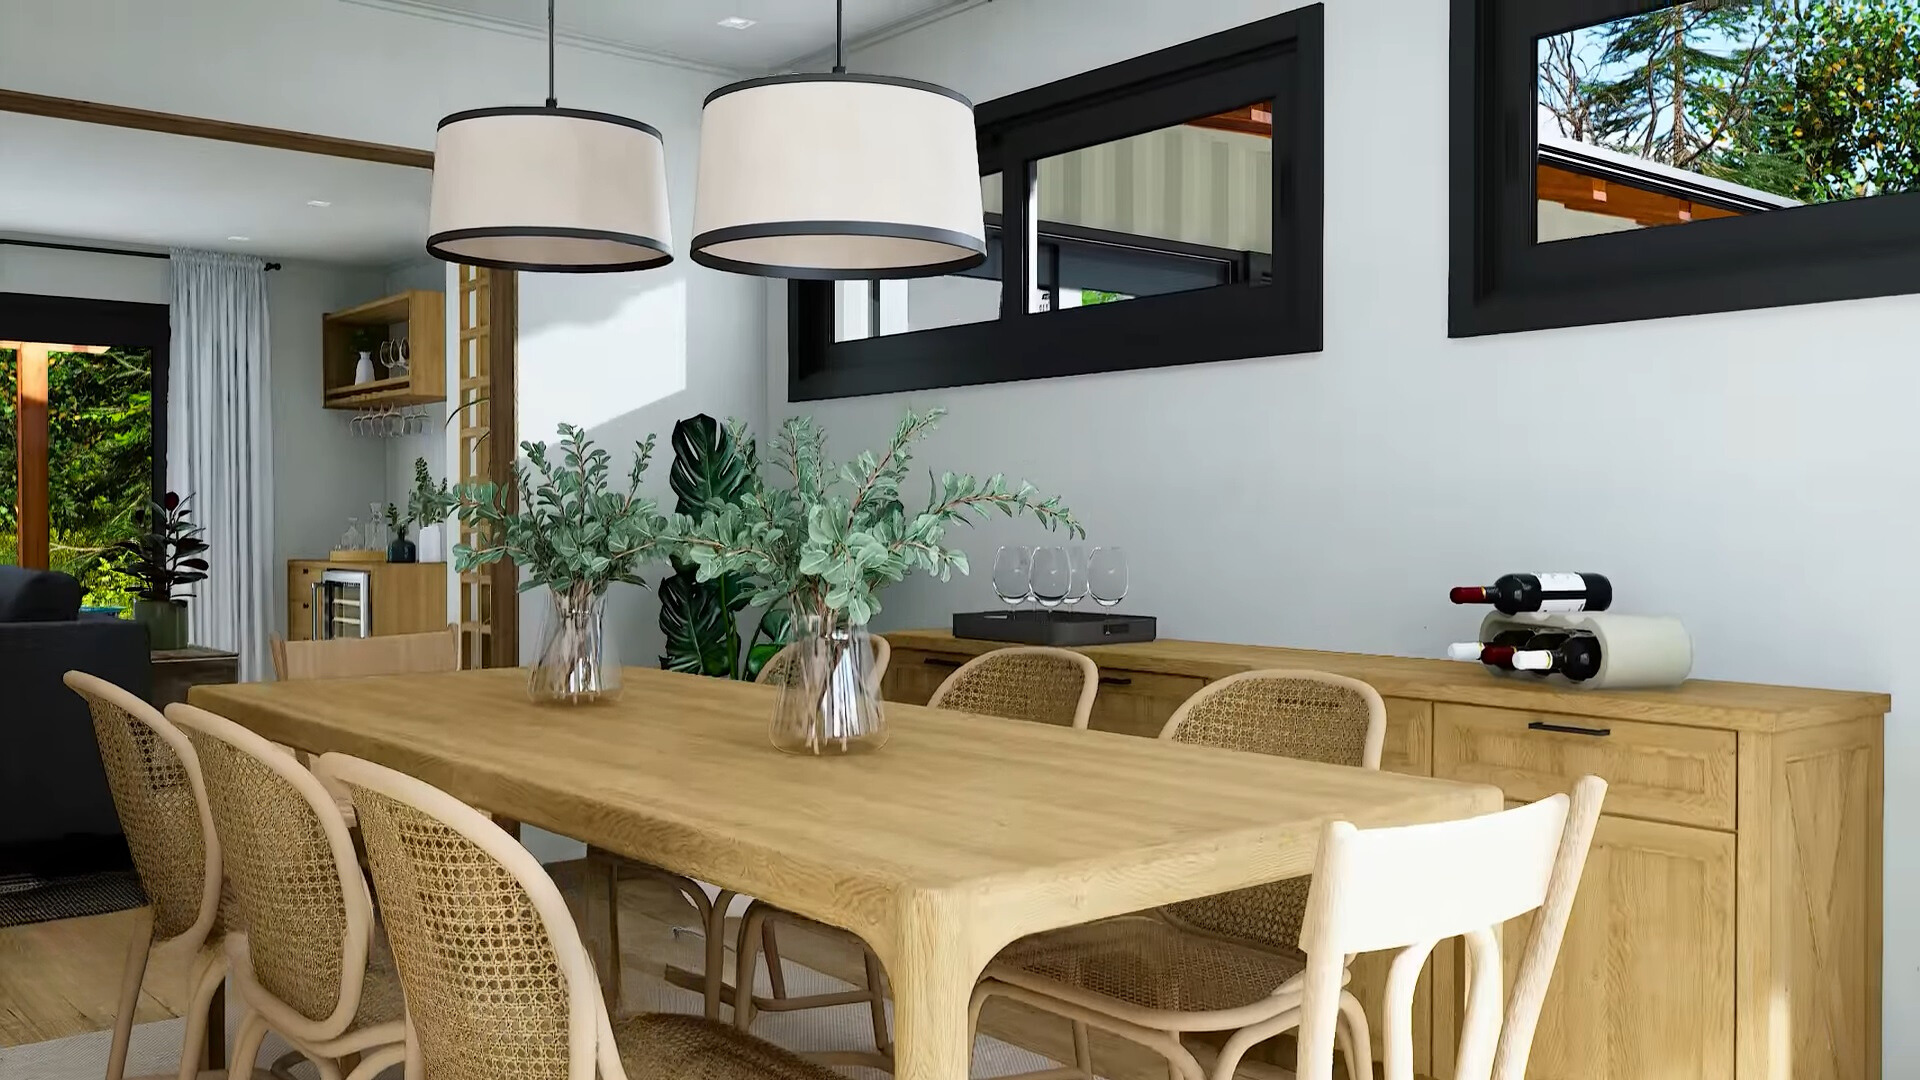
(56, 815)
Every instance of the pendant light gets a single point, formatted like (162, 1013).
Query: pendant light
(525, 187)
(838, 176)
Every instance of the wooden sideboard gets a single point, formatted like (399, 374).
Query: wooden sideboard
(408, 598)
(1728, 925)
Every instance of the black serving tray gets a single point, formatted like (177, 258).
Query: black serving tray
(1054, 627)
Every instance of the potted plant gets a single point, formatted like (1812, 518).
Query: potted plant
(428, 505)
(167, 556)
(823, 544)
(576, 534)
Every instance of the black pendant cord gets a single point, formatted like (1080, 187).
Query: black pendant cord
(839, 37)
(552, 102)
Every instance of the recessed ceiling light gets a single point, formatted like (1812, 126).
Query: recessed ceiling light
(735, 22)
(241, 239)
(319, 202)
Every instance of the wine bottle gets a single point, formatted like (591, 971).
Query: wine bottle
(1515, 593)
(1577, 657)
(1497, 653)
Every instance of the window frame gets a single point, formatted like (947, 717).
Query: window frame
(118, 323)
(1279, 59)
(1501, 281)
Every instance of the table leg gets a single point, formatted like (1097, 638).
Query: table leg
(932, 970)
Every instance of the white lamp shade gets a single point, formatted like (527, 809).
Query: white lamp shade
(549, 189)
(838, 176)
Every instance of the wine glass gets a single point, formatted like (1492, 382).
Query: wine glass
(1107, 575)
(1013, 574)
(1077, 575)
(1052, 576)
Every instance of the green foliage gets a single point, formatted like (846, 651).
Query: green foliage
(1816, 100)
(830, 539)
(574, 532)
(714, 466)
(429, 502)
(100, 435)
(169, 553)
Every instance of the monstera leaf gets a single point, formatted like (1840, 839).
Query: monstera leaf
(776, 626)
(710, 472)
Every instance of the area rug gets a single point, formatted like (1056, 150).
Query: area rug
(25, 898)
(155, 1047)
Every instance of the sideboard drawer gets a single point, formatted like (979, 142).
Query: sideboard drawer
(1657, 772)
(912, 676)
(1140, 702)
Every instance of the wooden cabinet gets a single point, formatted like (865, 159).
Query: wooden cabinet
(407, 598)
(1728, 926)
(418, 317)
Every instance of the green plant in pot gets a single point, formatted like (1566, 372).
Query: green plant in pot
(714, 466)
(575, 533)
(823, 543)
(169, 555)
(429, 502)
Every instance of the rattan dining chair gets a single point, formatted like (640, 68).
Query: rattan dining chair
(1409, 889)
(1221, 963)
(161, 798)
(311, 963)
(606, 867)
(1025, 682)
(498, 983)
(1044, 685)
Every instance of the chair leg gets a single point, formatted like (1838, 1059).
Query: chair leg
(1083, 1049)
(776, 974)
(209, 976)
(132, 974)
(610, 975)
(876, 1000)
(246, 1044)
(744, 963)
(1358, 1043)
(717, 955)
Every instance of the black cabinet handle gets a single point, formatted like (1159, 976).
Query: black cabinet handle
(941, 661)
(1568, 729)
(1115, 680)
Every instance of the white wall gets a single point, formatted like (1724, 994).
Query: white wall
(322, 474)
(1757, 474)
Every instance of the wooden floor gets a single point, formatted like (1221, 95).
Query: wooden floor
(60, 979)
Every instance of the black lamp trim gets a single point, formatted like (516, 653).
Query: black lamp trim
(542, 110)
(437, 250)
(976, 248)
(829, 76)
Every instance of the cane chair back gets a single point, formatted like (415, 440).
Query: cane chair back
(343, 658)
(1309, 715)
(497, 981)
(1409, 888)
(779, 670)
(161, 798)
(290, 863)
(1044, 685)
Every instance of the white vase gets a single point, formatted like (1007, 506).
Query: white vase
(363, 371)
(429, 543)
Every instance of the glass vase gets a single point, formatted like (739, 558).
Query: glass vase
(578, 664)
(829, 700)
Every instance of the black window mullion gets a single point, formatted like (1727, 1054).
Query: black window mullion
(1018, 188)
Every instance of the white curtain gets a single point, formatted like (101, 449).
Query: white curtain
(219, 448)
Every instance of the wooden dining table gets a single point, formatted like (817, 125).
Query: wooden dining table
(962, 834)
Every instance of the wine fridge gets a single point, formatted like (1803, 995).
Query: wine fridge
(342, 605)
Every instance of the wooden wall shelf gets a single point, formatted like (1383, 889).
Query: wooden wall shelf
(420, 316)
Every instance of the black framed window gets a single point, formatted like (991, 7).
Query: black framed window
(1617, 160)
(1165, 210)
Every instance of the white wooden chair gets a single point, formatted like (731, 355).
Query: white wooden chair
(1410, 889)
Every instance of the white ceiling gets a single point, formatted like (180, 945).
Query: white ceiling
(784, 30)
(87, 181)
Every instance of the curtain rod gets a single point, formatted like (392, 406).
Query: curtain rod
(98, 250)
